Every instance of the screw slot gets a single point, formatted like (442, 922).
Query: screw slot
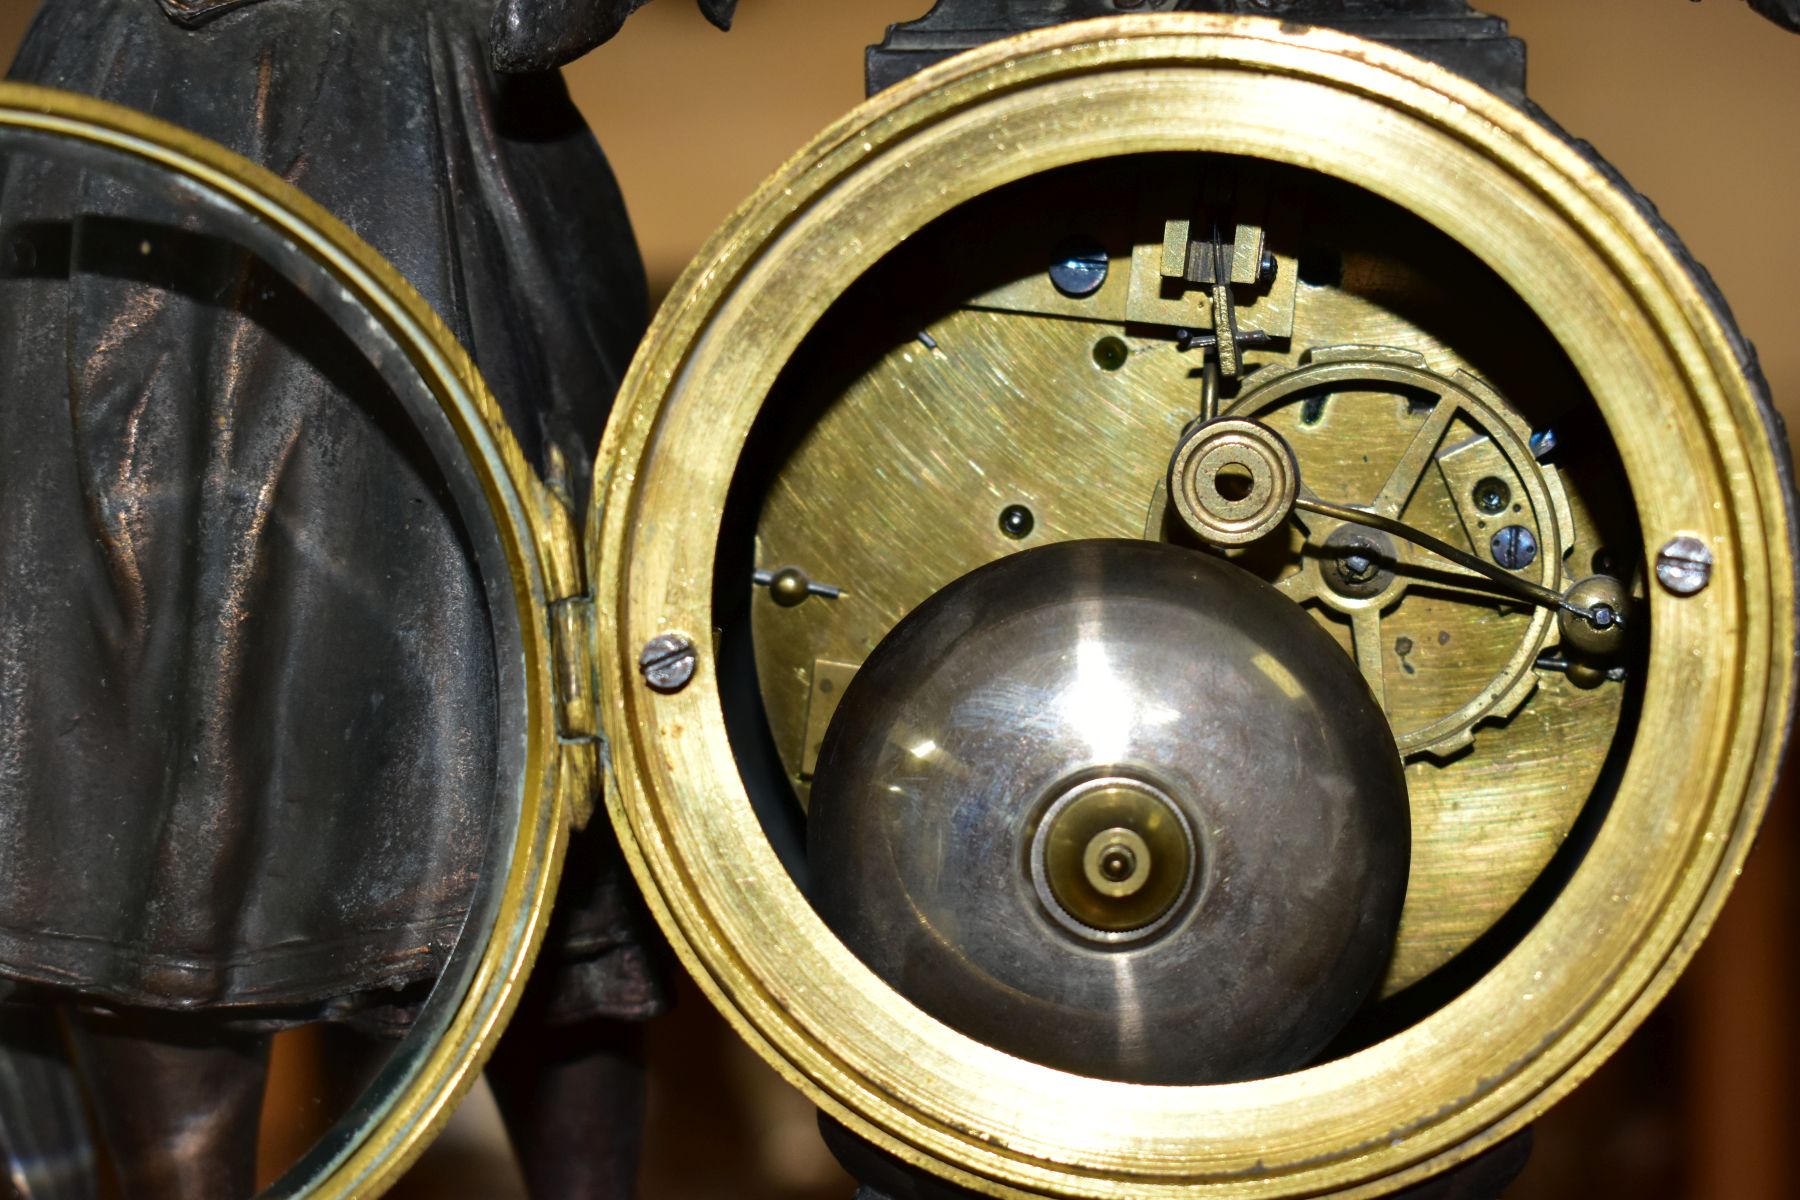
(1514, 547)
(668, 661)
(1684, 566)
(1079, 269)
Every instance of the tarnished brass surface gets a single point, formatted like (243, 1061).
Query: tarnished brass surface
(827, 681)
(1159, 272)
(1664, 377)
(387, 319)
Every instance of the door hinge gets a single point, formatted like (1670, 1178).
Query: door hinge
(577, 721)
(572, 648)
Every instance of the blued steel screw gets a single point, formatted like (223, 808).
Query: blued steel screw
(1079, 270)
(1267, 268)
(668, 662)
(1685, 565)
(1515, 547)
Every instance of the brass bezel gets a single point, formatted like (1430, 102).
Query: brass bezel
(1691, 429)
(387, 1132)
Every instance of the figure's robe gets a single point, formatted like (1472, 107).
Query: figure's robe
(247, 746)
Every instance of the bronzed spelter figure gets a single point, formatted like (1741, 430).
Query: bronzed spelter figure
(246, 676)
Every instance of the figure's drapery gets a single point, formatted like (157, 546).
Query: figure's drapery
(246, 677)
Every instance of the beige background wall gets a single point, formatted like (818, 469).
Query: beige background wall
(1699, 104)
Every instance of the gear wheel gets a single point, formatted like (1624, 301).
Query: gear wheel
(1494, 495)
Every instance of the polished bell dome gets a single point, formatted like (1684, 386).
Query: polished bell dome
(1119, 808)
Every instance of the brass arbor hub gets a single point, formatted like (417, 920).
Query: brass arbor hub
(1116, 862)
(1233, 481)
(1604, 635)
(1358, 563)
(1111, 858)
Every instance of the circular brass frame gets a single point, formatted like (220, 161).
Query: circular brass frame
(414, 1095)
(1692, 434)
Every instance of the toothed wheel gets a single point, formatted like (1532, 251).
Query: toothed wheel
(1439, 650)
